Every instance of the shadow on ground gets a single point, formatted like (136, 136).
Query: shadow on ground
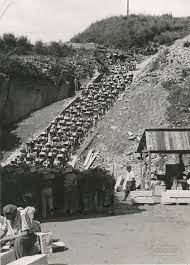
(120, 208)
(60, 249)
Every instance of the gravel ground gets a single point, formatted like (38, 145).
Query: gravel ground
(135, 235)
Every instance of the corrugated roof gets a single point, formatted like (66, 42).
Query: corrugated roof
(165, 140)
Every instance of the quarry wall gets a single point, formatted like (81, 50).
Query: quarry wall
(21, 96)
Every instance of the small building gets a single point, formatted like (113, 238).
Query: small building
(163, 141)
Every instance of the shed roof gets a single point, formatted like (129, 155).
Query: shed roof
(165, 140)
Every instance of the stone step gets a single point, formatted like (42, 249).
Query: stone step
(176, 193)
(165, 200)
(143, 200)
(141, 193)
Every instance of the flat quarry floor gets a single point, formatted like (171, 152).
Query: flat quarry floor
(156, 234)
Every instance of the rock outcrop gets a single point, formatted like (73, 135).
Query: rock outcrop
(20, 96)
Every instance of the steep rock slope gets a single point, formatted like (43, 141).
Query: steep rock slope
(148, 103)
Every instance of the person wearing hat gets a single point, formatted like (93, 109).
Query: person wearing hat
(42, 157)
(59, 161)
(18, 230)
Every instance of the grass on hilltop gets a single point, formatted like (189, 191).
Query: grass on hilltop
(135, 31)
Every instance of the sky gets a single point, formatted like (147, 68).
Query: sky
(50, 20)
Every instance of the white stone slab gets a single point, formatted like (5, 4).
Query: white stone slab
(141, 193)
(31, 260)
(143, 200)
(177, 193)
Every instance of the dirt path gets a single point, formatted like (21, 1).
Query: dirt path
(144, 235)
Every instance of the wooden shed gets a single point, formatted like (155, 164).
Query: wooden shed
(165, 141)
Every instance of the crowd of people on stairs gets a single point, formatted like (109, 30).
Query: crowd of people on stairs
(54, 147)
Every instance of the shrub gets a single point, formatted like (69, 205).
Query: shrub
(18, 45)
(185, 72)
(8, 42)
(168, 37)
(168, 84)
(22, 46)
(40, 48)
(186, 44)
(155, 65)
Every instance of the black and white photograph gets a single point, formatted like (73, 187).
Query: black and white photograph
(94, 132)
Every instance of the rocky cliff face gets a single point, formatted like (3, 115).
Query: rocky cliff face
(19, 97)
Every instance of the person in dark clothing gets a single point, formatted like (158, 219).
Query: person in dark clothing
(69, 188)
(110, 196)
(46, 198)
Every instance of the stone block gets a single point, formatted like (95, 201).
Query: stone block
(143, 200)
(141, 193)
(7, 257)
(177, 193)
(31, 260)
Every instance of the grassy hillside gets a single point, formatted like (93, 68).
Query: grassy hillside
(135, 31)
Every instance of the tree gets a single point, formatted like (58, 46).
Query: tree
(9, 41)
(23, 45)
(39, 47)
(55, 49)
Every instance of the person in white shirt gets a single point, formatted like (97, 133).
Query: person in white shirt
(188, 181)
(129, 182)
(118, 182)
(18, 230)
